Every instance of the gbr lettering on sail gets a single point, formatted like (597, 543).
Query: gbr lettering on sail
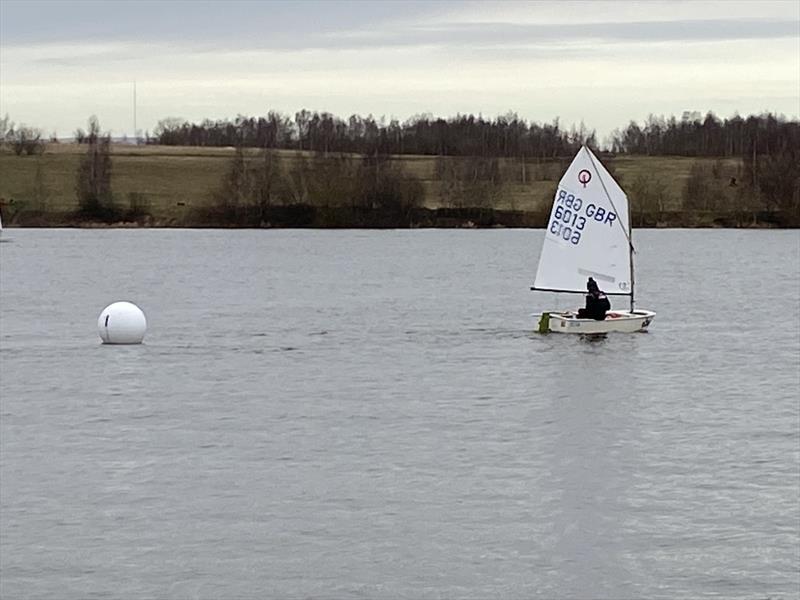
(571, 215)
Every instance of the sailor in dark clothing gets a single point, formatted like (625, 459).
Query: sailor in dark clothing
(597, 303)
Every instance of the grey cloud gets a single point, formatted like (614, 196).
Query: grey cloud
(507, 35)
(509, 40)
(503, 34)
(281, 26)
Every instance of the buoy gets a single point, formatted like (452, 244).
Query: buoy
(122, 323)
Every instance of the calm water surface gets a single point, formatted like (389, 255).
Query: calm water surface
(367, 414)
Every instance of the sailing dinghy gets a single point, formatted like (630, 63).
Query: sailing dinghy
(589, 235)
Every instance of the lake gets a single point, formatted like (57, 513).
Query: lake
(368, 414)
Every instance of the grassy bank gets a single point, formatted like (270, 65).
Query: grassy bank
(182, 187)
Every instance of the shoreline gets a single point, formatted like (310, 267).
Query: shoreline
(310, 217)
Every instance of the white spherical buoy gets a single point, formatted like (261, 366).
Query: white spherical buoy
(122, 323)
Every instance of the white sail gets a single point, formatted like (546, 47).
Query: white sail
(588, 232)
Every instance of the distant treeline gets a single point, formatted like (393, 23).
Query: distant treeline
(709, 137)
(506, 136)
(467, 135)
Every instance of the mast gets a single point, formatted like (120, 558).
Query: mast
(630, 253)
(135, 135)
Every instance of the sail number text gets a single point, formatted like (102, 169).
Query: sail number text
(571, 215)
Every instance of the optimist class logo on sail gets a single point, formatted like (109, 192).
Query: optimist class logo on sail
(571, 216)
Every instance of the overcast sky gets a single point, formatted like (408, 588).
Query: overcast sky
(601, 62)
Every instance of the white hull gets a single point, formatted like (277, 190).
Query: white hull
(617, 321)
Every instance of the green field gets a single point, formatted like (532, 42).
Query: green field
(173, 181)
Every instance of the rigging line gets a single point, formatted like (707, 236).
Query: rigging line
(603, 183)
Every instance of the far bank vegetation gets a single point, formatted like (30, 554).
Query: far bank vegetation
(318, 170)
(264, 188)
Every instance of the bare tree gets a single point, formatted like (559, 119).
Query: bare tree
(93, 185)
(26, 140)
(6, 128)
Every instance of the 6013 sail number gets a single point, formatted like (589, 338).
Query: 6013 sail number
(569, 220)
